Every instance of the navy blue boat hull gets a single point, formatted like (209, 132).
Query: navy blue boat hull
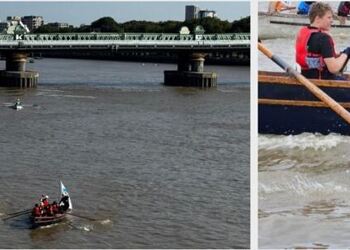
(286, 108)
(291, 120)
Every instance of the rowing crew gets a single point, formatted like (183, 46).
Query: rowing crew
(47, 209)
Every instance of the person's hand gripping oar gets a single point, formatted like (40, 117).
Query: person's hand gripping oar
(331, 103)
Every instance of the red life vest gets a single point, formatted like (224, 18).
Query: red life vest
(305, 59)
(55, 208)
(36, 211)
(49, 210)
(45, 202)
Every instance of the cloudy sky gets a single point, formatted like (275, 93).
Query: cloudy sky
(82, 12)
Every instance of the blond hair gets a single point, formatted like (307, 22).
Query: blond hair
(318, 9)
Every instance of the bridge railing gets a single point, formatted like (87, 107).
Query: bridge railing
(125, 37)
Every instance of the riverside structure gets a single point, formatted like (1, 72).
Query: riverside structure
(191, 50)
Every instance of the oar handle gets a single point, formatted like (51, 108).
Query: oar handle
(335, 106)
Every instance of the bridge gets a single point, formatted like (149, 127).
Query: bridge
(190, 48)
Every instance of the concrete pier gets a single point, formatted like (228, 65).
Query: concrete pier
(190, 79)
(190, 72)
(15, 74)
(18, 79)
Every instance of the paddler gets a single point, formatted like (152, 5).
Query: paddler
(343, 12)
(55, 207)
(315, 49)
(44, 202)
(277, 6)
(36, 212)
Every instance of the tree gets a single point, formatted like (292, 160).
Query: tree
(242, 25)
(105, 24)
(108, 24)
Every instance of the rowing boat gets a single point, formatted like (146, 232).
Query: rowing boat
(287, 107)
(286, 25)
(39, 221)
(48, 220)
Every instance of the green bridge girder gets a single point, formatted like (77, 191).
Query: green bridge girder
(125, 37)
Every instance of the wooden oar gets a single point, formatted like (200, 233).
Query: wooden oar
(288, 8)
(331, 103)
(13, 216)
(84, 217)
(20, 212)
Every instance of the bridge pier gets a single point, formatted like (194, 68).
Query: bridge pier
(15, 74)
(190, 72)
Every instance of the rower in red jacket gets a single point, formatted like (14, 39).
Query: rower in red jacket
(36, 212)
(55, 207)
(44, 201)
(49, 210)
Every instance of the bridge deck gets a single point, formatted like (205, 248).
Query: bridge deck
(123, 41)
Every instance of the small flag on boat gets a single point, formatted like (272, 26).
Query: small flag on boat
(64, 192)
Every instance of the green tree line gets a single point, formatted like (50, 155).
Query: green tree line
(108, 24)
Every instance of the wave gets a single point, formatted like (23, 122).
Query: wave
(303, 185)
(302, 142)
(67, 96)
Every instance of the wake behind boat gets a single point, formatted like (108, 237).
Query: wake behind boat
(48, 214)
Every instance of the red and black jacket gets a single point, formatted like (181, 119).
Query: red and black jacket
(309, 61)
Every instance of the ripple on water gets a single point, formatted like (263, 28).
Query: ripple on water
(304, 184)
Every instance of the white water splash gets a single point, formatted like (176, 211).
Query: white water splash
(107, 221)
(303, 186)
(302, 141)
(86, 228)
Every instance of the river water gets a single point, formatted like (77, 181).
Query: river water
(304, 183)
(159, 167)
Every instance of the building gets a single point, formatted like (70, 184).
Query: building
(194, 12)
(33, 22)
(13, 18)
(206, 13)
(191, 12)
(13, 25)
(58, 25)
(3, 26)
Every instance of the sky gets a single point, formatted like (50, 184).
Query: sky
(76, 13)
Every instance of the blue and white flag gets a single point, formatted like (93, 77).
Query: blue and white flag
(64, 192)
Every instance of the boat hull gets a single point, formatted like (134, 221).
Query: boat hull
(47, 220)
(287, 107)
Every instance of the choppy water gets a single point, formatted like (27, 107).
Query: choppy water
(304, 183)
(304, 191)
(160, 167)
